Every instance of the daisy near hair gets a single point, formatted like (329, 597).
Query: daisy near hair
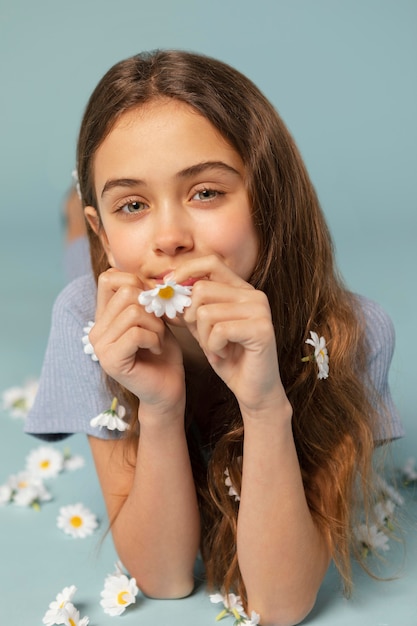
(111, 418)
(166, 299)
(320, 355)
(233, 606)
(119, 592)
(77, 520)
(371, 539)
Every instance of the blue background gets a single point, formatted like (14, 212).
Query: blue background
(343, 75)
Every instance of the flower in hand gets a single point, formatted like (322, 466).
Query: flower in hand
(166, 299)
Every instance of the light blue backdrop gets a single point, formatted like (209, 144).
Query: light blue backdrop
(342, 73)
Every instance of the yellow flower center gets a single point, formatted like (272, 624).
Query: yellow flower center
(76, 521)
(44, 464)
(166, 292)
(120, 598)
(22, 485)
(71, 622)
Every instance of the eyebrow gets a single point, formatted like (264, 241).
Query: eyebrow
(193, 170)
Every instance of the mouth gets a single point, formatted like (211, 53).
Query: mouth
(160, 278)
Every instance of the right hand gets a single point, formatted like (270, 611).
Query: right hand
(136, 348)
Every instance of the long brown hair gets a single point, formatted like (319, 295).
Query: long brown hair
(333, 419)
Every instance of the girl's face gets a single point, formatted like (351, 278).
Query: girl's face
(170, 188)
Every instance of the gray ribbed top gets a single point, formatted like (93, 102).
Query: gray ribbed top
(72, 388)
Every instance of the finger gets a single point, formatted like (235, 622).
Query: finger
(208, 292)
(110, 282)
(209, 267)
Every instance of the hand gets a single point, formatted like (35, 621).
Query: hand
(232, 323)
(136, 348)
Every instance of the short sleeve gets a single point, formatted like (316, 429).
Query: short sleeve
(72, 387)
(381, 343)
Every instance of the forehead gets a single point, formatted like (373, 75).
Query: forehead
(164, 126)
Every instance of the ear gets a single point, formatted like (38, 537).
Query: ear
(93, 218)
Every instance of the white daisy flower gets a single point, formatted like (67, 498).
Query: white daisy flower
(388, 491)
(73, 617)
(28, 490)
(228, 483)
(166, 299)
(57, 612)
(371, 538)
(45, 462)
(232, 604)
(112, 418)
(5, 494)
(72, 463)
(320, 356)
(76, 520)
(88, 348)
(384, 513)
(119, 592)
(254, 619)
(19, 400)
(408, 471)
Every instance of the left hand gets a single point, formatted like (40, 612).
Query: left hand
(232, 323)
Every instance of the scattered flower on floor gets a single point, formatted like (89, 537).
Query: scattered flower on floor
(72, 463)
(408, 471)
(388, 492)
(320, 355)
(77, 520)
(111, 418)
(19, 400)
(371, 539)
(384, 513)
(119, 592)
(73, 617)
(57, 612)
(88, 348)
(5, 494)
(166, 299)
(232, 605)
(45, 462)
(27, 490)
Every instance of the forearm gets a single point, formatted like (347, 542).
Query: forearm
(157, 530)
(282, 554)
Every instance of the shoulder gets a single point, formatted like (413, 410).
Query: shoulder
(77, 299)
(379, 329)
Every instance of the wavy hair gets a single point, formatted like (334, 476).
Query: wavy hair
(332, 419)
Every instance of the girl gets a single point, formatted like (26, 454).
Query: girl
(242, 440)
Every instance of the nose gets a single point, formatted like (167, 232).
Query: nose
(172, 231)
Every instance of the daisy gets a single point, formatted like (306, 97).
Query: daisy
(73, 617)
(384, 513)
(320, 356)
(254, 619)
(119, 592)
(88, 348)
(72, 463)
(112, 418)
(166, 299)
(408, 471)
(5, 494)
(76, 520)
(232, 604)
(388, 491)
(45, 462)
(19, 400)
(371, 538)
(228, 483)
(28, 490)
(57, 612)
